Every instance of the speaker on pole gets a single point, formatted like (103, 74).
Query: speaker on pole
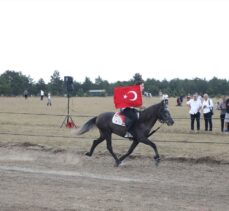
(68, 84)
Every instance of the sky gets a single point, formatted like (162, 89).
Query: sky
(115, 39)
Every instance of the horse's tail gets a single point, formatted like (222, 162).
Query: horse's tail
(87, 126)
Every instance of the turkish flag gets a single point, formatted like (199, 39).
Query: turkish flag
(127, 96)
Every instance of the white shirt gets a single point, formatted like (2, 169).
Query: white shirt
(199, 98)
(49, 96)
(207, 105)
(195, 106)
(42, 92)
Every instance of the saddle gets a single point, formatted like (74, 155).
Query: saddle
(119, 119)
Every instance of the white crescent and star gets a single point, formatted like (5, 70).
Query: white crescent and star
(135, 95)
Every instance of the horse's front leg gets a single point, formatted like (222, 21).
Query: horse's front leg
(110, 149)
(131, 149)
(148, 142)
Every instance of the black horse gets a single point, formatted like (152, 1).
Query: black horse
(142, 129)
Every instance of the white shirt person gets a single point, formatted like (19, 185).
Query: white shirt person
(207, 107)
(42, 94)
(207, 104)
(49, 103)
(195, 107)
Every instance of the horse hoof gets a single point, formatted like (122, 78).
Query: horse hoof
(117, 163)
(157, 160)
(88, 154)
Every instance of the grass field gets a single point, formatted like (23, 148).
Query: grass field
(33, 121)
(43, 166)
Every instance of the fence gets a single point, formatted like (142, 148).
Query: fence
(85, 137)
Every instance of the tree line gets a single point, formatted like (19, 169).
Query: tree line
(14, 83)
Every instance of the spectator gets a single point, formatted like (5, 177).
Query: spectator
(195, 107)
(178, 101)
(207, 107)
(49, 100)
(226, 120)
(42, 94)
(222, 108)
(199, 97)
(218, 105)
(188, 97)
(26, 94)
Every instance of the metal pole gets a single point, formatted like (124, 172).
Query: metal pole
(68, 108)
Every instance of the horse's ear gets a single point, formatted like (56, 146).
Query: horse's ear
(165, 102)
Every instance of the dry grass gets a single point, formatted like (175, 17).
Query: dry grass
(45, 129)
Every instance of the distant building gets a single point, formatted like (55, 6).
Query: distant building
(97, 92)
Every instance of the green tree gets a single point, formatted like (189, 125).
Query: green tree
(56, 84)
(87, 85)
(77, 90)
(102, 84)
(14, 83)
(98, 81)
(40, 85)
(152, 86)
(137, 78)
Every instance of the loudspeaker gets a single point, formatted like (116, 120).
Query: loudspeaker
(68, 83)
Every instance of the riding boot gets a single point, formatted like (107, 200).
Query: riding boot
(128, 135)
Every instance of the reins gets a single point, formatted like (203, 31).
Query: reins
(152, 132)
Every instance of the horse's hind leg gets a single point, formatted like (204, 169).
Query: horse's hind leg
(95, 143)
(131, 149)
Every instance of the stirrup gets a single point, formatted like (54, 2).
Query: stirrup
(128, 135)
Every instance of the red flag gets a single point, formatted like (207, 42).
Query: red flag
(127, 96)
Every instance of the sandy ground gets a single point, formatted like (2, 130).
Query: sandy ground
(43, 166)
(34, 177)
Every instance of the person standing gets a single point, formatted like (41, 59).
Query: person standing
(207, 107)
(42, 94)
(49, 100)
(222, 108)
(195, 107)
(26, 94)
(226, 120)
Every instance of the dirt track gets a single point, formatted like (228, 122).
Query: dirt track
(36, 178)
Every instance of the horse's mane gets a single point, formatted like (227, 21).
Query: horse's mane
(147, 113)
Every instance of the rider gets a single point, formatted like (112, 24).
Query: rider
(132, 113)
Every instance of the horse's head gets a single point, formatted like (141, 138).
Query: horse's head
(164, 115)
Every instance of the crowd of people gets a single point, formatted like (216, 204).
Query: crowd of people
(223, 106)
(197, 104)
(42, 94)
